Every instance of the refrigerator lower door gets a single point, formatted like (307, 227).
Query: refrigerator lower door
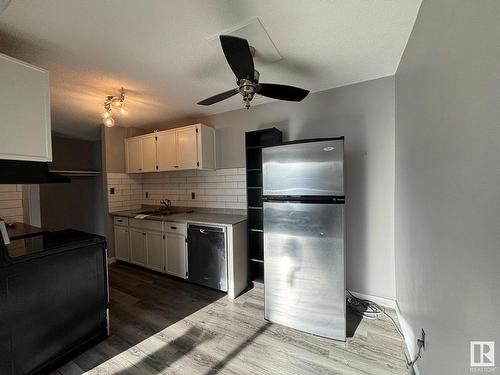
(304, 277)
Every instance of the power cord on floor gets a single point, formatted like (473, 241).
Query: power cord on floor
(371, 310)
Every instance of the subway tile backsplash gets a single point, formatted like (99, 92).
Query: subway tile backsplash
(223, 188)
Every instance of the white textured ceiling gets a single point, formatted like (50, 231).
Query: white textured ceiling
(159, 50)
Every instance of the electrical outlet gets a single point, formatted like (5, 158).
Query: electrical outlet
(192, 195)
(421, 340)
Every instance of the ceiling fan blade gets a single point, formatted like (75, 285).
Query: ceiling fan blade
(283, 92)
(238, 56)
(219, 97)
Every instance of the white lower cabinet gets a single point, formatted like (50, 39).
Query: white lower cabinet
(155, 251)
(122, 248)
(147, 244)
(176, 255)
(137, 246)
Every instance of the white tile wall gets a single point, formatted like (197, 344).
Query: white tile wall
(128, 191)
(11, 202)
(223, 188)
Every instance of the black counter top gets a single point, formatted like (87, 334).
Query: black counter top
(44, 244)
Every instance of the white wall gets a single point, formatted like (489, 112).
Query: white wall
(364, 114)
(448, 180)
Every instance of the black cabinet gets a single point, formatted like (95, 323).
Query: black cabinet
(254, 142)
(53, 298)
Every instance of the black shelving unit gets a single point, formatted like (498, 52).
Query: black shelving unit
(254, 141)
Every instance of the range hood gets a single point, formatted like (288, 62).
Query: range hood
(28, 172)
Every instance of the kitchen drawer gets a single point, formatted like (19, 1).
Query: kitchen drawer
(175, 228)
(121, 221)
(146, 224)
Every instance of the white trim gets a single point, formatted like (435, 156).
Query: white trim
(408, 335)
(112, 260)
(386, 302)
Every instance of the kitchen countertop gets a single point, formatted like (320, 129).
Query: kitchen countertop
(20, 230)
(198, 216)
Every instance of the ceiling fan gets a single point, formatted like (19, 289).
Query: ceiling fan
(239, 56)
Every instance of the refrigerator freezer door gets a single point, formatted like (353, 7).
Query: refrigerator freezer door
(304, 267)
(300, 169)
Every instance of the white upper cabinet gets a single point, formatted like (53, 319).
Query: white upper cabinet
(189, 147)
(25, 111)
(148, 146)
(166, 152)
(140, 154)
(133, 154)
(187, 150)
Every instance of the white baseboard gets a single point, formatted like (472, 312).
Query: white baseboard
(111, 260)
(386, 302)
(409, 337)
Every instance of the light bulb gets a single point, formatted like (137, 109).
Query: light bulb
(109, 122)
(116, 103)
(123, 111)
(106, 115)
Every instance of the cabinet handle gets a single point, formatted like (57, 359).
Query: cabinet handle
(143, 233)
(120, 221)
(176, 166)
(173, 227)
(140, 169)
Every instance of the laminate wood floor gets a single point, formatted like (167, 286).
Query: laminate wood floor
(160, 325)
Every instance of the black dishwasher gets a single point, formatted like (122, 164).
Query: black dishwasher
(207, 261)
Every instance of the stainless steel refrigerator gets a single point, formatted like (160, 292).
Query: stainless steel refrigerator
(304, 246)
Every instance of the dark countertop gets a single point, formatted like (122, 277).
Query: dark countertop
(19, 230)
(198, 216)
(40, 245)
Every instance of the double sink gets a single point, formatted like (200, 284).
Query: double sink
(163, 211)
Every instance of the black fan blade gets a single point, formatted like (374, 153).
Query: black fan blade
(219, 97)
(283, 92)
(238, 56)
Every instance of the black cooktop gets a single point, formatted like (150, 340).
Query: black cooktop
(48, 242)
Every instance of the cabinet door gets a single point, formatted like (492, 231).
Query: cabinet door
(25, 109)
(155, 251)
(148, 147)
(176, 255)
(138, 247)
(166, 152)
(122, 249)
(134, 155)
(187, 150)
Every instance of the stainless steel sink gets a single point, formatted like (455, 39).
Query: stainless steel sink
(163, 211)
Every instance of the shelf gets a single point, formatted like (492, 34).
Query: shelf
(70, 173)
(254, 142)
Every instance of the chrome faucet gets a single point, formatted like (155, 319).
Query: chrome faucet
(166, 202)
